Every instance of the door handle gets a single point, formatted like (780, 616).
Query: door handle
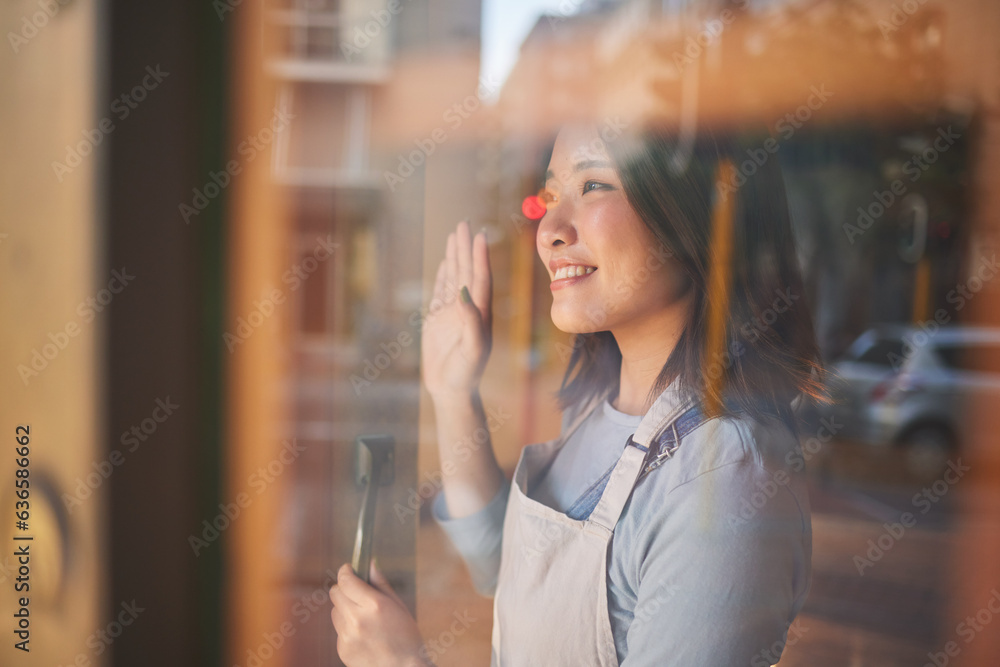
(374, 466)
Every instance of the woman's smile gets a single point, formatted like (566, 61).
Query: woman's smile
(565, 274)
(560, 283)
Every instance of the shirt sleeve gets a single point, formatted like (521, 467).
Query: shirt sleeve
(722, 573)
(477, 537)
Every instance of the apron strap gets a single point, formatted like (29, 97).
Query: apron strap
(670, 439)
(637, 461)
(616, 493)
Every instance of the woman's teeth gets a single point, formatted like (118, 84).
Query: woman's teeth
(572, 271)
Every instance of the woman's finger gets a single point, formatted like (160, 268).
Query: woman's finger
(451, 261)
(353, 588)
(482, 276)
(338, 598)
(463, 241)
(339, 619)
(438, 294)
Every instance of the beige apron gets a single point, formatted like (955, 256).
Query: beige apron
(551, 604)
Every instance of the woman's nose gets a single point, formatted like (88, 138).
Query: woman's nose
(556, 226)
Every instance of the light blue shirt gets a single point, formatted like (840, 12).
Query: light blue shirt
(711, 558)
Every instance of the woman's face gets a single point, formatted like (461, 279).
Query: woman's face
(607, 270)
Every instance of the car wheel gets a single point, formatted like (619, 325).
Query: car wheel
(926, 450)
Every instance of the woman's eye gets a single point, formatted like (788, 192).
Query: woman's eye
(594, 185)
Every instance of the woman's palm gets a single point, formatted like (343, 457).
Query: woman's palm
(457, 336)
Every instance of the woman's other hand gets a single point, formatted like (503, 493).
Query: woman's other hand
(457, 334)
(374, 628)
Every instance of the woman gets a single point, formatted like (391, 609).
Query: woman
(669, 522)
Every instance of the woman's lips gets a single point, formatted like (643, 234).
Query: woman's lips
(560, 283)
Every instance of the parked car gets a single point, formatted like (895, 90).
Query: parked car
(911, 386)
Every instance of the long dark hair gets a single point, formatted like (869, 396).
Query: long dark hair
(765, 351)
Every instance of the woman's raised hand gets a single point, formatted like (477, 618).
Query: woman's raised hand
(457, 334)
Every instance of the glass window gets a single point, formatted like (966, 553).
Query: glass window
(882, 353)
